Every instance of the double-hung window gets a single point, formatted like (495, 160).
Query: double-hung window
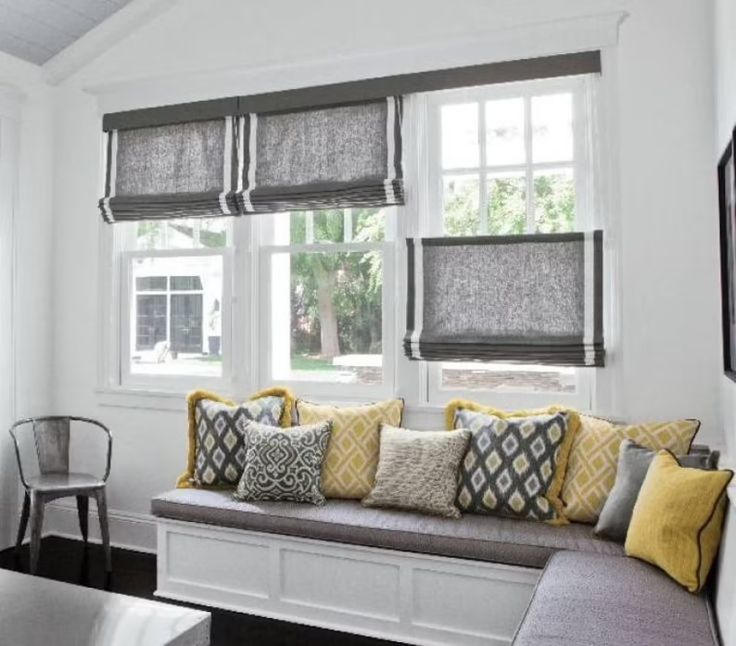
(326, 309)
(175, 295)
(505, 160)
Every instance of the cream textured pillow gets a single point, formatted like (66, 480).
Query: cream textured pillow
(417, 470)
(591, 470)
(349, 468)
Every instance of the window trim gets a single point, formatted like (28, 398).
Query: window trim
(584, 165)
(389, 340)
(130, 380)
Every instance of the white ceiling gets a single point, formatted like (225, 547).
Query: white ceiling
(37, 30)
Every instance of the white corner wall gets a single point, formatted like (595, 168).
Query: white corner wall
(664, 96)
(31, 302)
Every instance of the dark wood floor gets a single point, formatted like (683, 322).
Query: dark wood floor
(134, 573)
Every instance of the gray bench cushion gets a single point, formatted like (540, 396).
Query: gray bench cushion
(584, 599)
(481, 538)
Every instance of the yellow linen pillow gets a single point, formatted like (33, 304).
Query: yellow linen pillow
(349, 468)
(187, 480)
(591, 471)
(677, 520)
(574, 422)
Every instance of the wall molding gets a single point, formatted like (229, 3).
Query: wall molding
(524, 41)
(128, 530)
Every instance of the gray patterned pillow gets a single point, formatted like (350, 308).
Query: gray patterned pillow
(220, 455)
(417, 470)
(510, 464)
(284, 464)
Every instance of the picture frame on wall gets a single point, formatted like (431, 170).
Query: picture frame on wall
(727, 204)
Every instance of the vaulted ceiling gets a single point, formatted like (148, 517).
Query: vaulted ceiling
(37, 30)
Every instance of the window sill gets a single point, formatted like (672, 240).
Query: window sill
(141, 399)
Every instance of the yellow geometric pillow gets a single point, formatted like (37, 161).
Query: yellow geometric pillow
(349, 469)
(563, 459)
(677, 519)
(591, 471)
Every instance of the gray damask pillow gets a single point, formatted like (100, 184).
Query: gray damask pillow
(284, 464)
(633, 464)
(220, 455)
(417, 470)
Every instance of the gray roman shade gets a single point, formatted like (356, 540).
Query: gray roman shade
(171, 171)
(336, 157)
(523, 299)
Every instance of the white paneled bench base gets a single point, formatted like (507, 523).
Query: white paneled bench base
(402, 596)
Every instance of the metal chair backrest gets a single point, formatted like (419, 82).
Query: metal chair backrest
(51, 439)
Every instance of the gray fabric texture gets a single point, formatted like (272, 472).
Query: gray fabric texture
(585, 599)
(324, 158)
(220, 435)
(539, 279)
(480, 538)
(284, 464)
(633, 463)
(510, 464)
(417, 470)
(172, 171)
(342, 144)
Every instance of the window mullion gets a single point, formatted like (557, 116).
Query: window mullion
(483, 177)
(529, 173)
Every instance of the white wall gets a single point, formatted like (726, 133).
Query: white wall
(664, 106)
(725, 95)
(32, 306)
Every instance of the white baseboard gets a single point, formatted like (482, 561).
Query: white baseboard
(128, 530)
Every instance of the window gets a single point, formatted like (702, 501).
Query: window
(507, 160)
(174, 299)
(310, 299)
(327, 322)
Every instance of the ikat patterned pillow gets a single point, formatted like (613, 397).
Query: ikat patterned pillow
(284, 466)
(220, 437)
(511, 465)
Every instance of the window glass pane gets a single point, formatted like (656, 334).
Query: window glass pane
(332, 225)
(330, 330)
(554, 201)
(552, 128)
(369, 225)
(507, 204)
(459, 125)
(507, 378)
(185, 283)
(181, 234)
(151, 283)
(460, 194)
(177, 333)
(505, 132)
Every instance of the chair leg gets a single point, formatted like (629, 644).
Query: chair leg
(83, 512)
(36, 528)
(104, 528)
(23, 522)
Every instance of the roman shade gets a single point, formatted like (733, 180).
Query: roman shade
(171, 171)
(523, 298)
(337, 157)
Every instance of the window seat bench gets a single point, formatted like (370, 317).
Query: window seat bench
(391, 574)
(584, 599)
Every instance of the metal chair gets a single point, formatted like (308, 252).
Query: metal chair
(51, 438)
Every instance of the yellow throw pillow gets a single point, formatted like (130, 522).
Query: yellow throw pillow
(678, 518)
(188, 479)
(349, 469)
(591, 471)
(574, 422)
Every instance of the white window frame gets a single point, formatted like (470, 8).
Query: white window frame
(329, 390)
(120, 374)
(584, 165)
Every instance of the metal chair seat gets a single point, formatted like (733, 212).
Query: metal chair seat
(50, 438)
(64, 481)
